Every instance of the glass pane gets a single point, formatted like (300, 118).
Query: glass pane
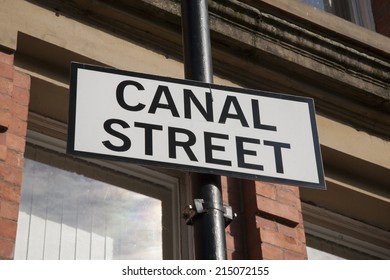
(315, 254)
(319, 4)
(64, 215)
(323, 5)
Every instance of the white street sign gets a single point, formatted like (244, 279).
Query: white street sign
(195, 126)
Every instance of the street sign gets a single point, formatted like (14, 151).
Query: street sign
(195, 126)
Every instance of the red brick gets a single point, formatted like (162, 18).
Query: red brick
(266, 223)
(9, 192)
(5, 118)
(234, 229)
(6, 86)
(288, 231)
(7, 249)
(280, 240)
(15, 142)
(233, 244)
(17, 127)
(253, 244)
(292, 189)
(229, 254)
(3, 152)
(6, 58)
(230, 242)
(7, 229)
(301, 235)
(5, 102)
(270, 252)
(249, 198)
(231, 191)
(21, 95)
(11, 174)
(15, 159)
(234, 190)
(278, 209)
(20, 111)
(2, 171)
(22, 80)
(9, 210)
(225, 187)
(287, 197)
(3, 139)
(290, 255)
(6, 71)
(265, 189)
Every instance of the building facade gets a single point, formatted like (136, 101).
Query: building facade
(56, 206)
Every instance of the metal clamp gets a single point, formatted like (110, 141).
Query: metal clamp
(191, 212)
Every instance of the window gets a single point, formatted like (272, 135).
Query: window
(65, 215)
(356, 11)
(324, 5)
(333, 236)
(315, 254)
(75, 208)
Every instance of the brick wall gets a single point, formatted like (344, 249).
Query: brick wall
(14, 98)
(269, 224)
(381, 12)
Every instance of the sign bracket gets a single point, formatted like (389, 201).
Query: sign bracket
(193, 211)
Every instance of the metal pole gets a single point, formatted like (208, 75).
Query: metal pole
(209, 227)
(196, 41)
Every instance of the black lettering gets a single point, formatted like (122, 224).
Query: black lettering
(157, 98)
(186, 145)
(256, 117)
(241, 152)
(206, 113)
(209, 148)
(239, 113)
(278, 153)
(148, 135)
(108, 128)
(120, 92)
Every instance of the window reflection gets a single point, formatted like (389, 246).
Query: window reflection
(315, 254)
(324, 5)
(64, 215)
(356, 11)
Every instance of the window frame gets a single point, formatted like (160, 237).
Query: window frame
(342, 236)
(176, 235)
(355, 11)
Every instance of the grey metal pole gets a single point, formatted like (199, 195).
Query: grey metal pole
(209, 227)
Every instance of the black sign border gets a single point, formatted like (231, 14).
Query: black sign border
(72, 124)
